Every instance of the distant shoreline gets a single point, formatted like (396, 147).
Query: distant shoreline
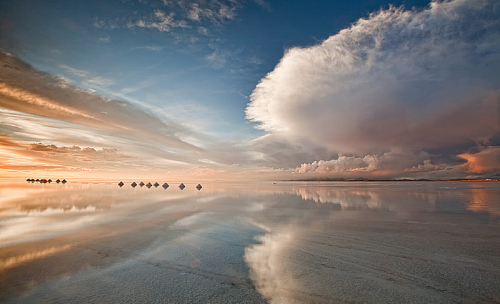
(390, 180)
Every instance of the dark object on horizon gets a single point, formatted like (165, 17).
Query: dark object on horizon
(156, 185)
(141, 184)
(182, 186)
(49, 180)
(149, 185)
(165, 186)
(198, 187)
(28, 180)
(37, 180)
(63, 181)
(133, 185)
(121, 184)
(43, 181)
(58, 181)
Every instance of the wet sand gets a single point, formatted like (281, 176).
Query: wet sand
(250, 243)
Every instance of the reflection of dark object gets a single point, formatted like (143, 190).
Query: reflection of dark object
(156, 185)
(63, 181)
(182, 186)
(121, 184)
(198, 187)
(149, 185)
(141, 184)
(49, 180)
(133, 185)
(58, 181)
(165, 186)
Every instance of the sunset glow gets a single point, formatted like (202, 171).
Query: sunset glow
(238, 90)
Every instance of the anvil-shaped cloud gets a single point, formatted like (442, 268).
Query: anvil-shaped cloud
(414, 83)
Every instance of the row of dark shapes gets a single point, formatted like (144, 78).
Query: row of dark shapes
(149, 185)
(43, 180)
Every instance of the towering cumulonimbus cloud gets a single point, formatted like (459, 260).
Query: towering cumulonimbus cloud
(400, 80)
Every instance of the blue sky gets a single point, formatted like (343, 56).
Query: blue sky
(194, 65)
(210, 65)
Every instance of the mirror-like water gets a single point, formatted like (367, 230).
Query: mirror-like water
(290, 242)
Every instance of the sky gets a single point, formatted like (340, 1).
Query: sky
(250, 89)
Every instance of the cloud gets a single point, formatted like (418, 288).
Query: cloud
(427, 166)
(342, 164)
(203, 31)
(154, 48)
(88, 79)
(27, 90)
(182, 14)
(217, 59)
(76, 72)
(78, 154)
(78, 130)
(105, 39)
(391, 163)
(215, 11)
(40, 102)
(264, 5)
(486, 160)
(399, 80)
(160, 21)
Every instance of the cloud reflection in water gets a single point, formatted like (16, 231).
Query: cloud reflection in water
(306, 242)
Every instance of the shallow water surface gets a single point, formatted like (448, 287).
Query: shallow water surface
(290, 242)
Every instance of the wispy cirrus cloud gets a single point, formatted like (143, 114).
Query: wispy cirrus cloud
(48, 124)
(160, 21)
(215, 11)
(27, 90)
(88, 78)
(154, 48)
(75, 127)
(166, 16)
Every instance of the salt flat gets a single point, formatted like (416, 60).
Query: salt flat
(292, 242)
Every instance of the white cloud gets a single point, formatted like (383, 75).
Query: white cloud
(217, 59)
(160, 21)
(105, 39)
(88, 78)
(215, 11)
(39, 107)
(27, 90)
(203, 31)
(342, 164)
(76, 72)
(100, 81)
(154, 48)
(392, 163)
(264, 4)
(397, 81)
(426, 166)
(181, 14)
